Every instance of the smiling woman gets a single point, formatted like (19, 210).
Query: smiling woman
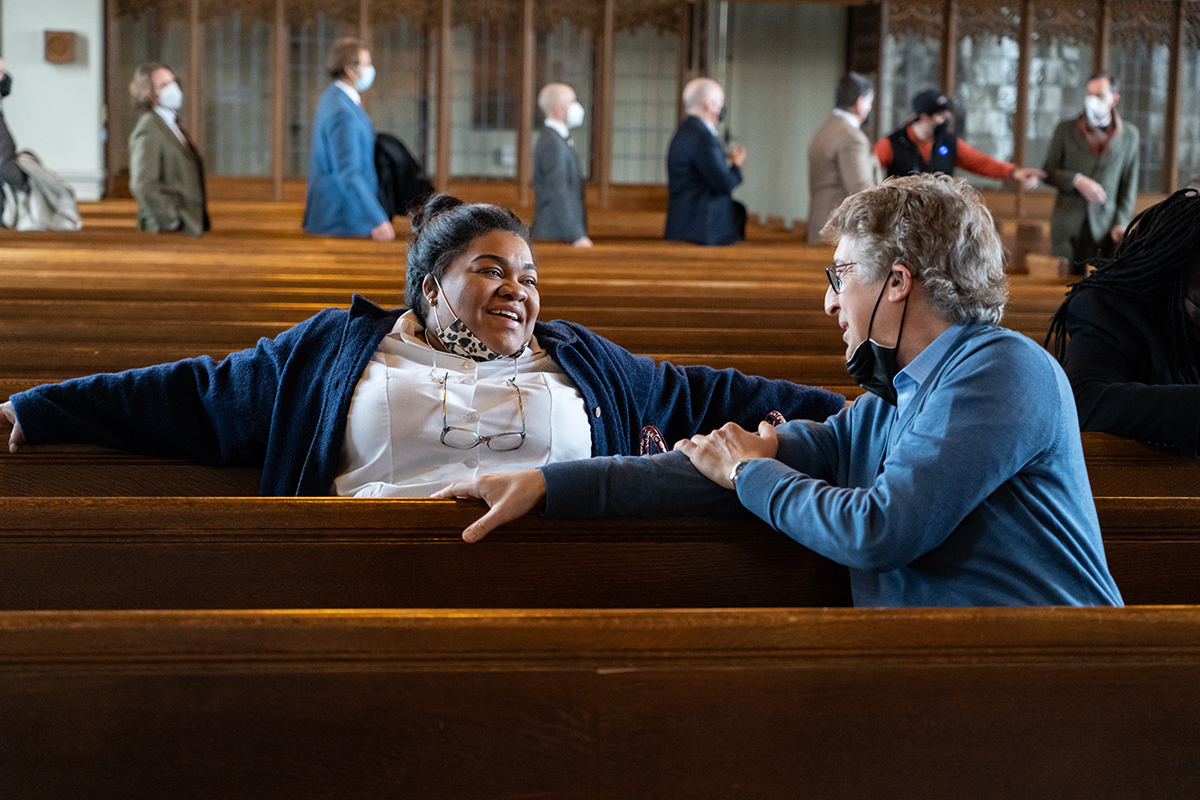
(402, 402)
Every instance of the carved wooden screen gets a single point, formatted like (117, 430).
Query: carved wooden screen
(402, 102)
(237, 92)
(1139, 59)
(146, 32)
(985, 95)
(645, 89)
(1062, 58)
(1189, 96)
(912, 59)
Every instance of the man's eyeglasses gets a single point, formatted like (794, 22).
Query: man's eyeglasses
(463, 439)
(835, 274)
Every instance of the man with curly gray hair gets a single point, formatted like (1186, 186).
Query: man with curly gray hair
(957, 480)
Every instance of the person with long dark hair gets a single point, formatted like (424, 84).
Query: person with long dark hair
(1128, 335)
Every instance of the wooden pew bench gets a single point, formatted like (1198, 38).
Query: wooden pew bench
(249, 552)
(981, 703)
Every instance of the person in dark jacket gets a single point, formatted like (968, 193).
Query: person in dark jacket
(402, 182)
(1128, 335)
(700, 178)
(402, 402)
(560, 207)
(926, 143)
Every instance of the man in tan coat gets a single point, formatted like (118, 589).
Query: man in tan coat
(166, 175)
(840, 161)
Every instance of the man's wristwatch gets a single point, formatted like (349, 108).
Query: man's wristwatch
(737, 470)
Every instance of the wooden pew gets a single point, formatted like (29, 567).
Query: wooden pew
(248, 552)
(982, 703)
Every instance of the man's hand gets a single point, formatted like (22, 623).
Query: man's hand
(383, 232)
(1028, 176)
(582, 241)
(738, 156)
(716, 454)
(509, 495)
(15, 439)
(1118, 233)
(1091, 191)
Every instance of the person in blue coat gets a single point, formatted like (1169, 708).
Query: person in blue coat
(700, 179)
(343, 189)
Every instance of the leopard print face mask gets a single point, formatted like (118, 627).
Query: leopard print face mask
(461, 340)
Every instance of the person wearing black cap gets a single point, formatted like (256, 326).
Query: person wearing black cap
(926, 144)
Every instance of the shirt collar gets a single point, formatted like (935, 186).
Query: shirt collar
(712, 128)
(562, 129)
(350, 91)
(168, 114)
(909, 380)
(846, 115)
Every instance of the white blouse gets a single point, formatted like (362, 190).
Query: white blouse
(393, 442)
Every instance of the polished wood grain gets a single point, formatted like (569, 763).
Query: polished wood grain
(765, 703)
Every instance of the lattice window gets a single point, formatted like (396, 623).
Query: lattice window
(1139, 59)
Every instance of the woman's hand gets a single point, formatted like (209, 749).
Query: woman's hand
(716, 454)
(508, 494)
(15, 439)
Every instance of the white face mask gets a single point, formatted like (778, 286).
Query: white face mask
(1099, 113)
(574, 115)
(171, 96)
(365, 79)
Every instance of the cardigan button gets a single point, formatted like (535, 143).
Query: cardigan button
(596, 412)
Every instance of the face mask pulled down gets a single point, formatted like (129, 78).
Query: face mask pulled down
(873, 366)
(460, 340)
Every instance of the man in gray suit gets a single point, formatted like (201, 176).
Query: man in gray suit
(840, 160)
(1093, 162)
(559, 204)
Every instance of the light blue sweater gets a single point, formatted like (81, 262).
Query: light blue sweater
(973, 493)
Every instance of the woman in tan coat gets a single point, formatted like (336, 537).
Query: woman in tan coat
(166, 175)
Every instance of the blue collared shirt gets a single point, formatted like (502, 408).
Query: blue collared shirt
(908, 381)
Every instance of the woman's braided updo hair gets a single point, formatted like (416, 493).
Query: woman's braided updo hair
(443, 229)
(1151, 266)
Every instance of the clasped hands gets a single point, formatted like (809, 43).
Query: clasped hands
(510, 495)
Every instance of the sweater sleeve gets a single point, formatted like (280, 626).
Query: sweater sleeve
(972, 160)
(214, 412)
(883, 152)
(631, 391)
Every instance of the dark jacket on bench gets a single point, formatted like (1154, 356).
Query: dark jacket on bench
(283, 404)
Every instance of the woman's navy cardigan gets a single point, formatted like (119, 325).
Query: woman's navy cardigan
(282, 405)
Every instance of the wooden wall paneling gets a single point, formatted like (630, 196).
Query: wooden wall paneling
(525, 108)
(444, 101)
(949, 47)
(112, 90)
(279, 82)
(195, 124)
(1021, 118)
(1174, 87)
(607, 77)
(1103, 35)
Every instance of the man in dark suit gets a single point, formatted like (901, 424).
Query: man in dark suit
(559, 204)
(700, 179)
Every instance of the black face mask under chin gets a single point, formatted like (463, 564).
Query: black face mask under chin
(5, 85)
(873, 366)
